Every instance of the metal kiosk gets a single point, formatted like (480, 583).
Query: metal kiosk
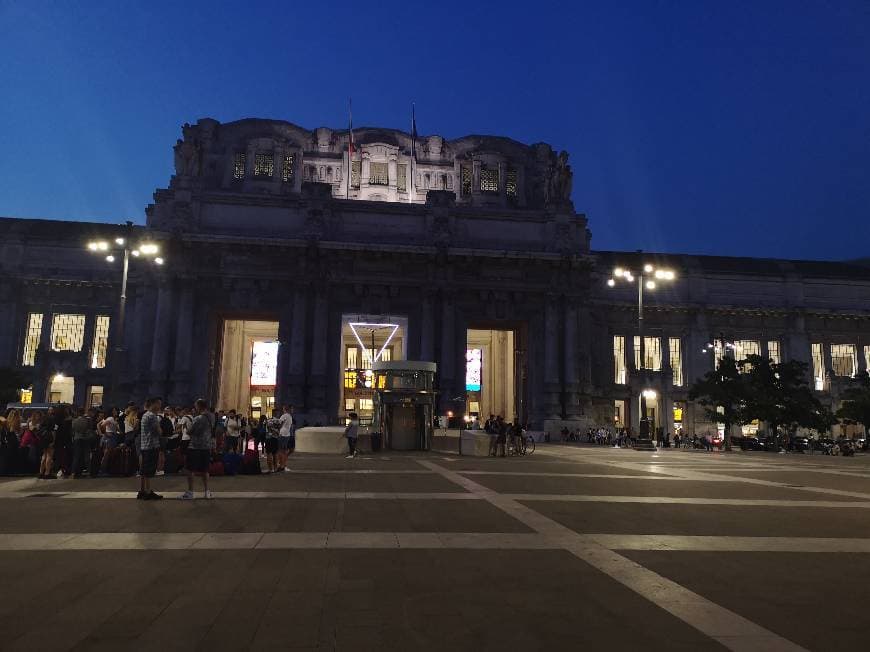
(404, 403)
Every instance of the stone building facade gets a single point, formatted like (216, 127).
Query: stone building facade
(266, 222)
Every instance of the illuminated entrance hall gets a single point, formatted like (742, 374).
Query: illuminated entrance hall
(365, 338)
(249, 364)
(490, 381)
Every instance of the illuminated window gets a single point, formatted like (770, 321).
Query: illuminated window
(352, 358)
(350, 380)
(287, 167)
(355, 173)
(473, 369)
(488, 179)
(366, 405)
(349, 404)
(465, 180)
(402, 178)
(95, 396)
(67, 332)
(745, 348)
(264, 364)
(239, 165)
(264, 165)
(867, 357)
(101, 342)
(773, 352)
(378, 175)
(510, 185)
(620, 373)
(652, 353)
(676, 360)
(818, 367)
(31, 339)
(844, 359)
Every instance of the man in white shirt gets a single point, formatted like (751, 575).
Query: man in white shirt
(182, 426)
(286, 437)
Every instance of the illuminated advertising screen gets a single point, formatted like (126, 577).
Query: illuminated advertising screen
(264, 363)
(473, 369)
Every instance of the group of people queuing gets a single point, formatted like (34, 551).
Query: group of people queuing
(148, 440)
(502, 433)
(618, 438)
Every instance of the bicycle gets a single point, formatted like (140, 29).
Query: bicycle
(526, 446)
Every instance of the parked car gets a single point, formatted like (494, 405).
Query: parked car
(750, 444)
(823, 445)
(798, 443)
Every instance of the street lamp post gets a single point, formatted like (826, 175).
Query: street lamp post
(123, 245)
(728, 349)
(647, 279)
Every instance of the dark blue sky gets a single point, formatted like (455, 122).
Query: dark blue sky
(738, 128)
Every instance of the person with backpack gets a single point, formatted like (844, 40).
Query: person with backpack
(198, 456)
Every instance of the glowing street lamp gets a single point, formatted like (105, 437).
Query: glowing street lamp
(647, 278)
(143, 249)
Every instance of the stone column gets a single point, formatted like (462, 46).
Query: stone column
(296, 375)
(316, 405)
(552, 350)
(285, 333)
(446, 366)
(427, 344)
(183, 340)
(160, 348)
(571, 380)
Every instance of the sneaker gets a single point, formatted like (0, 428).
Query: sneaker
(348, 457)
(153, 496)
(160, 473)
(209, 495)
(60, 475)
(286, 470)
(141, 496)
(187, 495)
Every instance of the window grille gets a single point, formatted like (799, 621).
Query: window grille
(402, 178)
(67, 332)
(488, 179)
(450, 181)
(745, 348)
(287, 167)
(844, 359)
(352, 359)
(818, 367)
(652, 353)
(264, 165)
(676, 360)
(510, 186)
(620, 373)
(465, 174)
(239, 165)
(101, 342)
(773, 352)
(31, 339)
(355, 173)
(378, 175)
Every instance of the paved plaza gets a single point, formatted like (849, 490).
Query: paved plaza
(571, 548)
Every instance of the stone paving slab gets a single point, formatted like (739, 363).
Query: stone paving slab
(280, 515)
(818, 602)
(640, 487)
(809, 479)
(333, 599)
(725, 520)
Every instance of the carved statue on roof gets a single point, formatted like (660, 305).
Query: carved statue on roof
(187, 154)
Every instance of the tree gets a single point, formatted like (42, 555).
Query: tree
(780, 395)
(722, 392)
(856, 402)
(11, 382)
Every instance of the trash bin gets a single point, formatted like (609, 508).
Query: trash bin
(376, 442)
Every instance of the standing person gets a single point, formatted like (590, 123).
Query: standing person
(183, 428)
(45, 434)
(108, 429)
(131, 425)
(63, 442)
(285, 437)
(272, 428)
(199, 451)
(352, 432)
(234, 431)
(81, 440)
(149, 445)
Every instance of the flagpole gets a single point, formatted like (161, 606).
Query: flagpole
(349, 145)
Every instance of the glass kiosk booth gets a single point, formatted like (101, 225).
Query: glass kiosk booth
(404, 403)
